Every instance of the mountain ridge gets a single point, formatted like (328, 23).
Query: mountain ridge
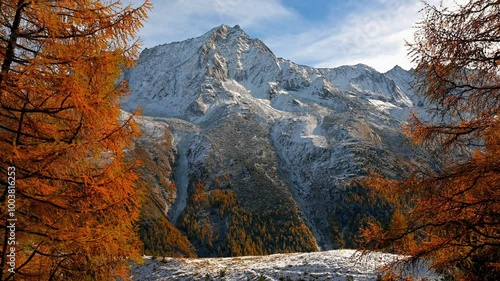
(290, 142)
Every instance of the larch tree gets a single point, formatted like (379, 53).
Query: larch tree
(70, 205)
(449, 217)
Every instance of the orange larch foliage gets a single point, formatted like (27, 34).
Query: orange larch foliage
(76, 201)
(450, 217)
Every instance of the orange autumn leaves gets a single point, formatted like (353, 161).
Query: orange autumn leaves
(449, 216)
(60, 126)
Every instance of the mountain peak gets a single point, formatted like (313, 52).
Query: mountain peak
(225, 26)
(278, 130)
(187, 74)
(223, 30)
(397, 68)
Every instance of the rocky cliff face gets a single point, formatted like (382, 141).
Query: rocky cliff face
(288, 141)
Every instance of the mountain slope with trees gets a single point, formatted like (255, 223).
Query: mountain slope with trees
(288, 142)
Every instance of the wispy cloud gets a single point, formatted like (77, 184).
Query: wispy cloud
(374, 36)
(176, 20)
(370, 32)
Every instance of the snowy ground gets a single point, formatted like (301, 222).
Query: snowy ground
(337, 265)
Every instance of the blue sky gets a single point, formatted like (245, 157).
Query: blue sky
(320, 33)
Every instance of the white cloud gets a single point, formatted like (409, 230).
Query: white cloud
(177, 20)
(374, 37)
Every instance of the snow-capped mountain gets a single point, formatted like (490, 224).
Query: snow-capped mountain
(289, 140)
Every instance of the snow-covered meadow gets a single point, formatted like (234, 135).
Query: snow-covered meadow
(335, 265)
